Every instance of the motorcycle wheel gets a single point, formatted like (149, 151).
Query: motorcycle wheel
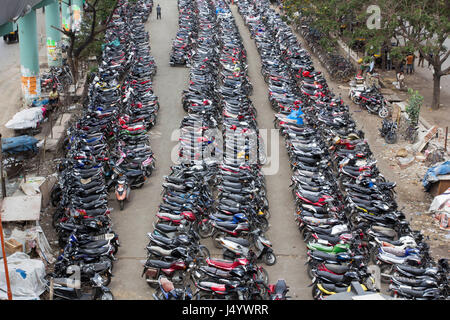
(203, 252)
(383, 112)
(57, 215)
(391, 137)
(106, 279)
(153, 285)
(309, 271)
(385, 272)
(206, 296)
(373, 255)
(262, 223)
(205, 230)
(263, 275)
(270, 259)
(121, 204)
(316, 293)
(107, 296)
(216, 241)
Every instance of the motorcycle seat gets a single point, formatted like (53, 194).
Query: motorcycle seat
(333, 288)
(94, 244)
(335, 278)
(241, 241)
(212, 285)
(413, 270)
(94, 251)
(216, 271)
(337, 268)
(159, 250)
(227, 225)
(221, 216)
(165, 227)
(134, 173)
(158, 264)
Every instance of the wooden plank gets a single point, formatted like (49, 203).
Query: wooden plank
(428, 136)
(21, 208)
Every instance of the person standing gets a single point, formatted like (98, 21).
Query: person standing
(400, 79)
(158, 12)
(409, 63)
(53, 99)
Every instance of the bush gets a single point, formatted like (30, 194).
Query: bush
(413, 108)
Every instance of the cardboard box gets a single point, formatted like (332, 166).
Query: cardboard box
(12, 246)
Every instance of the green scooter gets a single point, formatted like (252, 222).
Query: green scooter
(328, 249)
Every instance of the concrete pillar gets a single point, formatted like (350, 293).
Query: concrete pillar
(29, 56)
(66, 22)
(77, 14)
(52, 18)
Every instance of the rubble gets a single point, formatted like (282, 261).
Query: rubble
(405, 162)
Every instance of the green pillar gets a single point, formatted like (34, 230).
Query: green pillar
(52, 18)
(65, 15)
(29, 56)
(77, 14)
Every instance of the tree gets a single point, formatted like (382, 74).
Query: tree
(96, 17)
(425, 25)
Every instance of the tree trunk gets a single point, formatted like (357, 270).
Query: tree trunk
(436, 90)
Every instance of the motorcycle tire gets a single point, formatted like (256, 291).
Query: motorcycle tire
(121, 204)
(383, 112)
(387, 270)
(204, 252)
(309, 271)
(316, 293)
(263, 275)
(206, 296)
(106, 296)
(205, 230)
(106, 278)
(153, 285)
(215, 236)
(391, 137)
(57, 215)
(262, 223)
(373, 255)
(270, 258)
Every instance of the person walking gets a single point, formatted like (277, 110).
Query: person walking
(158, 12)
(421, 60)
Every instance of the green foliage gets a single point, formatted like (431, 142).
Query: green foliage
(413, 108)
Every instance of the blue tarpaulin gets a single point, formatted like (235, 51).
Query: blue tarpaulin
(19, 144)
(296, 115)
(433, 172)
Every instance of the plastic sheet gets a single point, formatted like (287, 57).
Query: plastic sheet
(28, 118)
(26, 277)
(433, 172)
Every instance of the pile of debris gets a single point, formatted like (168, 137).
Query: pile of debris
(28, 252)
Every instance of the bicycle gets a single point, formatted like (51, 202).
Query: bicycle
(411, 133)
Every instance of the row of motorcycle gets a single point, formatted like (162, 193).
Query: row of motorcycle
(106, 148)
(213, 192)
(346, 210)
